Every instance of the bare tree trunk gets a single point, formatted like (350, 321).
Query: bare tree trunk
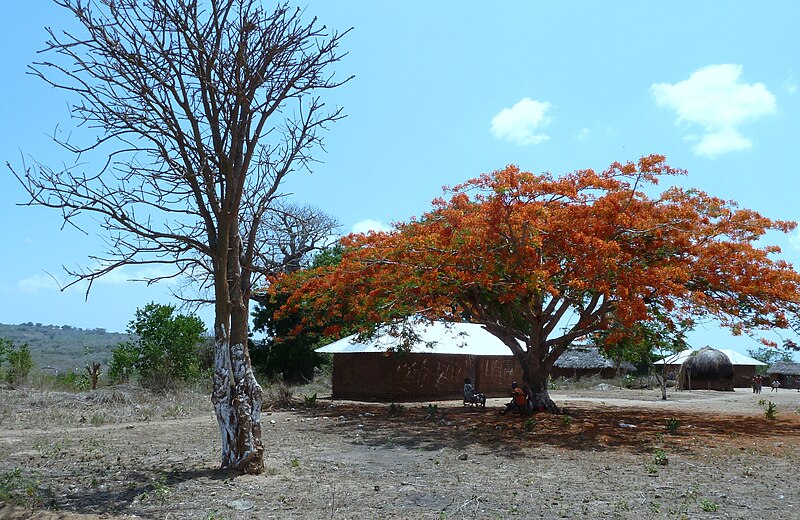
(236, 394)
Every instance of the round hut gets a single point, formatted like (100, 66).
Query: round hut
(706, 369)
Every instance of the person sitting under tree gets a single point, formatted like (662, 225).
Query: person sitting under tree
(519, 400)
(471, 395)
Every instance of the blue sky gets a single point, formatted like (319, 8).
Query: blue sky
(447, 90)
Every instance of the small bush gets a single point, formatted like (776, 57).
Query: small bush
(660, 457)
(310, 401)
(280, 394)
(672, 425)
(396, 410)
(20, 361)
(771, 412)
(708, 506)
(529, 425)
(431, 411)
(16, 488)
(566, 420)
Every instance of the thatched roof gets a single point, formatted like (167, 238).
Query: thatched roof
(783, 368)
(588, 358)
(708, 363)
(735, 357)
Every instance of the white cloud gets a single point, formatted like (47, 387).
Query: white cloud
(370, 225)
(583, 134)
(520, 123)
(715, 99)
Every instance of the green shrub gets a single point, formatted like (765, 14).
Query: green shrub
(396, 410)
(431, 411)
(73, 380)
(672, 425)
(660, 457)
(771, 412)
(708, 506)
(16, 488)
(20, 361)
(529, 424)
(310, 401)
(163, 349)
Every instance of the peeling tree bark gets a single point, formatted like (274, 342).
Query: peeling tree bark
(237, 399)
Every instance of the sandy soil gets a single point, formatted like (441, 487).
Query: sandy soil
(114, 454)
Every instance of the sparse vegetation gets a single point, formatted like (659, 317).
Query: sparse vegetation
(660, 457)
(396, 410)
(18, 360)
(708, 506)
(771, 412)
(76, 468)
(18, 488)
(431, 411)
(529, 425)
(672, 425)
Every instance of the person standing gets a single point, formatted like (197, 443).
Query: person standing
(775, 385)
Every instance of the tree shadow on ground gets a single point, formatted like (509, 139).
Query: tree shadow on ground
(579, 427)
(143, 484)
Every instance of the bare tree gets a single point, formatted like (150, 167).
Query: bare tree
(202, 108)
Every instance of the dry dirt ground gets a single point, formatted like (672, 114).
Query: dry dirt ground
(116, 453)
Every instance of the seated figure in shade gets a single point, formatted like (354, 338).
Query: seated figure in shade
(471, 395)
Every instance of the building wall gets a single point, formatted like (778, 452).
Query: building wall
(419, 377)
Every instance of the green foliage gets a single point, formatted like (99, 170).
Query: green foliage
(566, 420)
(285, 353)
(431, 411)
(660, 457)
(396, 410)
(672, 425)
(18, 358)
(529, 425)
(310, 401)
(771, 412)
(771, 355)
(73, 380)
(762, 402)
(16, 488)
(123, 363)
(163, 348)
(708, 506)
(647, 341)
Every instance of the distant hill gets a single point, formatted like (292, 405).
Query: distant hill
(63, 347)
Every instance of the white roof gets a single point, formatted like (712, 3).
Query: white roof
(735, 357)
(435, 338)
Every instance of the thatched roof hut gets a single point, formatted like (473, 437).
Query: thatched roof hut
(787, 373)
(744, 367)
(581, 361)
(706, 369)
(784, 368)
